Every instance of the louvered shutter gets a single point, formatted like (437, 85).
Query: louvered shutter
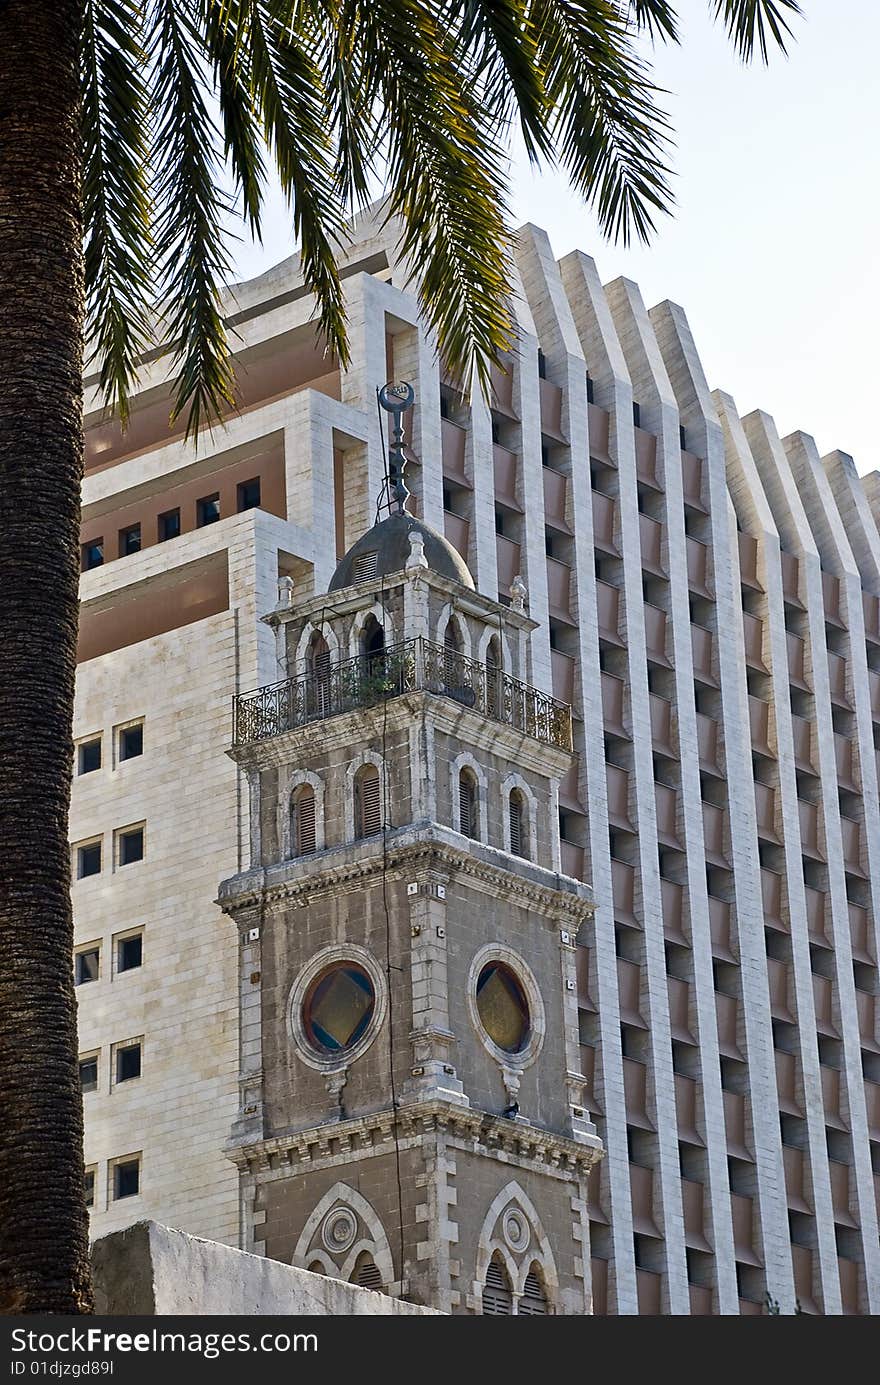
(467, 805)
(497, 1298)
(516, 825)
(304, 820)
(367, 1274)
(369, 803)
(533, 1302)
(366, 565)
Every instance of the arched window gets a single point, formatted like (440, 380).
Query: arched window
(318, 667)
(533, 1302)
(367, 802)
(452, 637)
(316, 1267)
(497, 1295)
(302, 820)
(493, 678)
(373, 644)
(367, 1273)
(468, 804)
(519, 823)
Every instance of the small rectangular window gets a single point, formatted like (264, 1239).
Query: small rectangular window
(589, 389)
(130, 540)
(249, 494)
(88, 860)
(682, 437)
(130, 952)
(127, 1177)
(637, 415)
(87, 965)
(208, 510)
(169, 525)
(88, 1073)
(89, 1186)
(88, 756)
(92, 554)
(129, 845)
(128, 1061)
(131, 741)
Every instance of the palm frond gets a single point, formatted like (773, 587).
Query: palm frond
(495, 44)
(242, 136)
(657, 18)
(752, 23)
(115, 197)
(192, 260)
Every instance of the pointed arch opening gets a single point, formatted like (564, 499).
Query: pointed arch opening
(367, 802)
(533, 1300)
(468, 804)
(303, 837)
(367, 1273)
(497, 1291)
(518, 823)
(373, 644)
(318, 670)
(493, 676)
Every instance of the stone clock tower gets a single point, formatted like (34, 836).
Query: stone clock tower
(411, 1101)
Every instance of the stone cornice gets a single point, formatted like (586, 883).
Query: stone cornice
(430, 848)
(464, 1128)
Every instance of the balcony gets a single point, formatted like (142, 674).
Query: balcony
(651, 540)
(686, 1110)
(802, 1263)
(572, 859)
(707, 745)
(559, 590)
(840, 1194)
(629, 979)
(641, 1183)
(457, 531)
(613, 702)
(872, 1108)
(666, 800)
(753, 642)
(777, 977)
(850, 1275)
(452, 445)
(823, 1000)
(509, 562)
(649, 1293)
(714, 834)
(599, 1279)
(594, 1182)
(845, 759)
(608, 613)
(618, 798)
(698, 568)
(692, 481)
(655, 635)
(501, 383)
(742, 1209)
(816, 905)
(623, 891)
(694, 1221)
(646, 458)
(796, 1180)
(635, 1090)
(661, 725)
(551, 410)
(874, 687)
(797, 675)
(851, 838)
(679, 1007)
(735, 1125)
(837, 680)
(412, 666)
(582, 972)
(831, 1097)
(700, 1300)
(748, 561)
(808, 814)
(588, 1068)
(727, 1016)
(866, 1009)
(765, 812)
(871, 613)
(672, 902)
(771, 894)
(555, 488)
(759, 722)
(505, 466)
(831, 600)
(597, 421)
(702, 650)
(719, 929)
(604, 512)
(562, 672)
(570, 790)
(791, 580)
(802, 734)
(786, 1083)
(860, 936)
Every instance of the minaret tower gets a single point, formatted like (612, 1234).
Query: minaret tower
(411, 1100)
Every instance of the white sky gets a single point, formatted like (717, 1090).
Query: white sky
(772, 251)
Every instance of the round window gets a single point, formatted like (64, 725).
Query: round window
(338, 1007)
(502, 1007)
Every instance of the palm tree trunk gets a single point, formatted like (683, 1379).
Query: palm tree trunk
(44, 1265)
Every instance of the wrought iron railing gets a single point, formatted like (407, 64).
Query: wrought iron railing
(411, 666)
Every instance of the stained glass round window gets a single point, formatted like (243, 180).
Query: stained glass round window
(502, 1007)
(338, 1007)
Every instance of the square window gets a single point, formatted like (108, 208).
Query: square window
(130, 952)
(249, 494)
(92, 554)
(88, 860)
(130, 540)
(131, 741)
(88, 756)
(87, 965)
(88, 1073)
(169, 525)
(129, 846)
(127, 1177)
(208, 510)
(128, 1062)
(89, 1187)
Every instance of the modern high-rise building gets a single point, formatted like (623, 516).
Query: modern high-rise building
(481, 901)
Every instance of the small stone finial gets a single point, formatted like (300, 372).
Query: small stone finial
(416, 560)
(285, 594)
(518, 593)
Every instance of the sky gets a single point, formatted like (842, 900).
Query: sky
(773, 247)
